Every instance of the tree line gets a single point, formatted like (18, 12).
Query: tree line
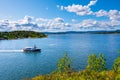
(21, 34)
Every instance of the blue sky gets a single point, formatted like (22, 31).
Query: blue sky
(59, 15)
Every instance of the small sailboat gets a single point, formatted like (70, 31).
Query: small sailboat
(31, 49)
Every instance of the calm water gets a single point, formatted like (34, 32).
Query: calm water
(16, 65)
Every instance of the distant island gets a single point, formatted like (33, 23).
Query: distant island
(88, 32)
(21, 35)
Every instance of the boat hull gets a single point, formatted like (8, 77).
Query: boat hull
(36, 50)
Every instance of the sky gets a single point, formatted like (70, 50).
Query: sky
(59, 15)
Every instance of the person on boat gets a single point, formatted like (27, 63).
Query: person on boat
(35, 47)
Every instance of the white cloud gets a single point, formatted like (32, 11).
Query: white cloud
(79, 9)
(59, 20)
(115, 23)
(93, 2)
(50, 23)
(58, 24)
(97, 25)
(27, 19)
(88, 23)
(114, 15)
(83, 10)
(111, 14)
(4, 24)
(41, 20)
(101, 13)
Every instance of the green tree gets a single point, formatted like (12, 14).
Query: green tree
(116, 65)
(96, 63)
(21, 34)
(64, 64)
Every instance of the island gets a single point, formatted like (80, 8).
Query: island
(21, 35)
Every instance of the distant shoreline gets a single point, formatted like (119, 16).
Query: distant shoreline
(32, 34)
(85, 32)
(21, 35)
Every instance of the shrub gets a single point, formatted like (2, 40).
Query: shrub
(64, 64)
(96, 63)
(116, 65)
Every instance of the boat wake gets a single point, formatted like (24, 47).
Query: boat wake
(1, 51)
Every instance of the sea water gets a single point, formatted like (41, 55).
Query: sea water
(16, 64)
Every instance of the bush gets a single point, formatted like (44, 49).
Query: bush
(96, 70)
(96, 63)
(64, 64)
(116, 65)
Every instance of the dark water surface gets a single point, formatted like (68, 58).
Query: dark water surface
(16, 65)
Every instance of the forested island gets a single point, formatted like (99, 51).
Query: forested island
(21, 35)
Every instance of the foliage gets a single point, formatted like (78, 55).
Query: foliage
(96, 63)
(81, 75)
(64, 64)
(95, 70)
(21, 34)
(116, 65)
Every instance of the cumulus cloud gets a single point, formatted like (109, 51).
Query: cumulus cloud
(4, 24)
(55, 24)
(114, 15)
(111, 14)
(59, 20)
(59, 24)
(39, 24)
(27, 19)
(79, 9)
(23, 24)
(97, 25)
(93, 2)
(41, 20)
(83, 10)
(101, 13)
(88, 23)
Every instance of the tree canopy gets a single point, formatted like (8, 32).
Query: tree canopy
(21, 34)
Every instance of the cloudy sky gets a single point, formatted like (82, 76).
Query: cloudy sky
(59, 15)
